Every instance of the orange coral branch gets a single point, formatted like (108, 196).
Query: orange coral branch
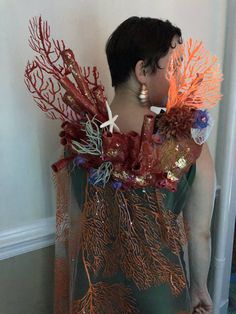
(108, 298)
(194, 81)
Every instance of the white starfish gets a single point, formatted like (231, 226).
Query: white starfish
(110, 121)
(156, 110)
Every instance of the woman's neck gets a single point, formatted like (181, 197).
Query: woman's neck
(129, 109)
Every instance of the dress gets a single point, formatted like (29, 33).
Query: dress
(71, 279)
(120, 232)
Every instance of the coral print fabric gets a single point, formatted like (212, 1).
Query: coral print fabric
(120, 251)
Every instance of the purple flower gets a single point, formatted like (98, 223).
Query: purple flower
(116, 184)
(79, 160)
(201, 119)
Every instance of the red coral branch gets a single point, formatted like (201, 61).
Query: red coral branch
(47, 94)
(45, 77)
(40, 42)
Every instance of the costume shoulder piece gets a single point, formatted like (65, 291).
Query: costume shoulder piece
(170, 142)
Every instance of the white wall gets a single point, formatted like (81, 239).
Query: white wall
(225, 211)
(29, 141)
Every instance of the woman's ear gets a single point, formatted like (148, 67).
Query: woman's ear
(140, 72)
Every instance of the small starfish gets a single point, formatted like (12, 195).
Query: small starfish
(156, 110)
(110, 121)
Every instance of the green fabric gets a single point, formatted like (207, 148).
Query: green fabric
(157, 299)
(176, 200)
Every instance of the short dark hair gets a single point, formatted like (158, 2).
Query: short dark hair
(138, 38)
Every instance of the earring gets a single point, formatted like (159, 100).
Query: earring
(143, 96)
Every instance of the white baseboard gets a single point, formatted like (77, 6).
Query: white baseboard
(27, 238)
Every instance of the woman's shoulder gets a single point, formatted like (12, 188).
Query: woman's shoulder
(205, 162)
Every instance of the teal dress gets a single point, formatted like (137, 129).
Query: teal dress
(120, 251)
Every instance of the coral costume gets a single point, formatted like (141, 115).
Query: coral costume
(120, 232)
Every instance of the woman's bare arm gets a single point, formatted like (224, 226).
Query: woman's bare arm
(198, 214)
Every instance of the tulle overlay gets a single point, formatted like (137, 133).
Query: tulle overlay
(119, 251)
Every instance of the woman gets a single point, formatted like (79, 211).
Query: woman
(133, 188)
(128, 50)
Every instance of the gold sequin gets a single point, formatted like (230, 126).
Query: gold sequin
(181, 163)
(140, 180)
(171, 176)
(112, 153)
(123, 175)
